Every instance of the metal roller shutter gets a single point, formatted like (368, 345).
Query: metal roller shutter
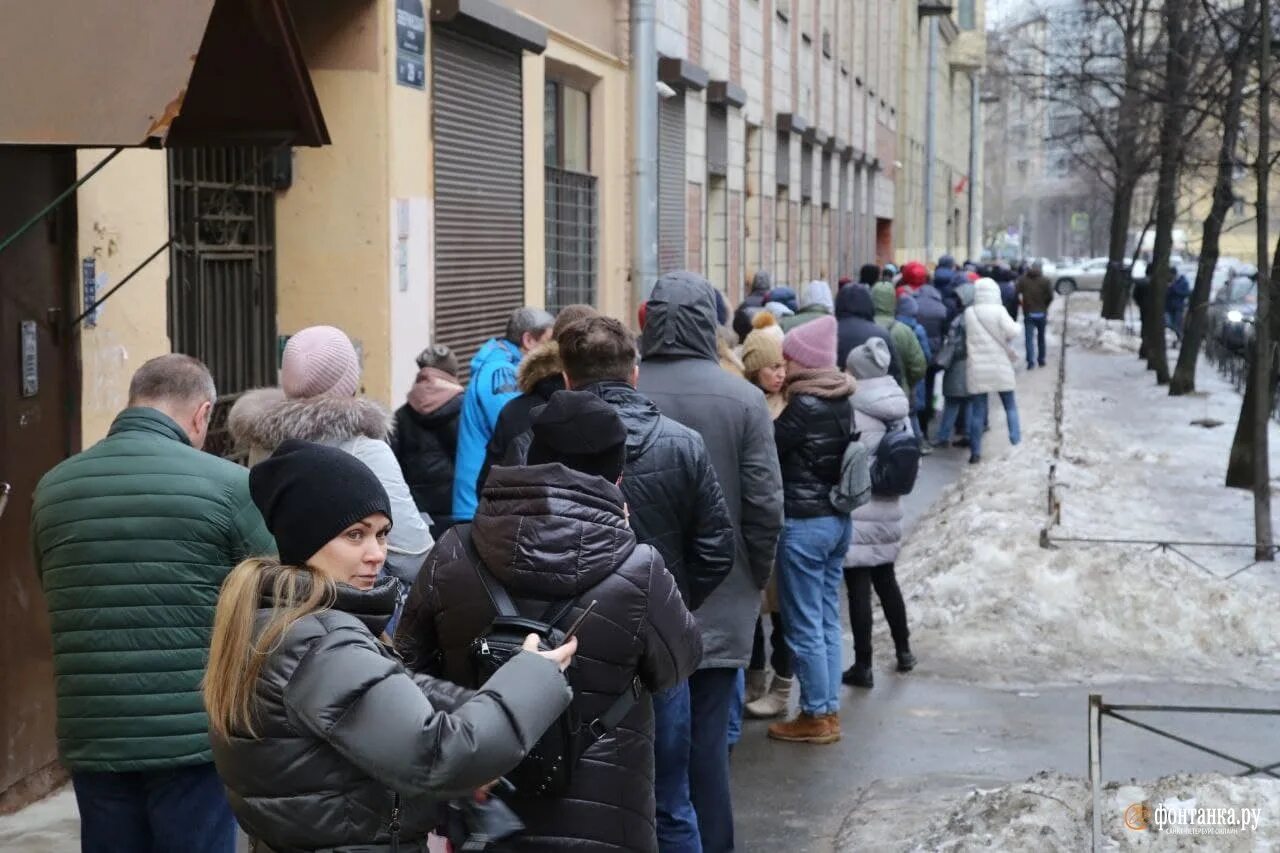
(671, 180)
(478, 123)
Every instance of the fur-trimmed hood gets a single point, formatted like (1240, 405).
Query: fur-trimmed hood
(264, 418)
(539, 365)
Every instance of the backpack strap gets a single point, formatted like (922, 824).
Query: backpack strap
(498, 595)
(614, 714)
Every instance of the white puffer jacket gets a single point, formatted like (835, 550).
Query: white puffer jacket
(988, 332)
(878, 406)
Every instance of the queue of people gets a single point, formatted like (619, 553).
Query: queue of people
(528, 610)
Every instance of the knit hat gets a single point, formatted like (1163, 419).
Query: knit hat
(915, 274)
(786, 296)
(309, 493)
(761, 349)
(869, 360)
(889, 272)
(812, 344)
(817, 293)
(580, 431)
(869, 274)
(320, 360)
(907, 306)
(440, 357)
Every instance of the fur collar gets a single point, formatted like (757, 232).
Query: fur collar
(542, 363)
(264, 418)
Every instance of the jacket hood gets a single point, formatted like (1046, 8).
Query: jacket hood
(884, 296)
(761, 282)
(817, 293)
(881, 398)
(965, 293)
(786, 296)
(907, 306)
(681, 320)
(494, 349)
(929, 292)
(432, 390)
(548, 531)
(538, 366)
(986, 292)
(638, 413)
(855, 301)
(265, 418)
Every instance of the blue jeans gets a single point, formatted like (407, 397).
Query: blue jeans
(735, 710)
(710, 697)
(810, 574)
(154, 811)
(978, 419)
(1033, 325)
(951, 413)
(672, 741)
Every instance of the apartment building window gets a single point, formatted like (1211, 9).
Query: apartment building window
(966, 15)
(571, 197)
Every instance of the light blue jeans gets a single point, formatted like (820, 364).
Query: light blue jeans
(978, 419)
(810, 574)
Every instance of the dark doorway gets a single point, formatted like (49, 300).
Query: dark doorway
(39, 427)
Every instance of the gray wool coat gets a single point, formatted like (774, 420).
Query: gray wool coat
(680, 372)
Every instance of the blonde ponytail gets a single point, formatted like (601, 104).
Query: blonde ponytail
(236, 657)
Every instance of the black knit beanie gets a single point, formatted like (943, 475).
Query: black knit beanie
(309, 493)
(869, 274)
(580, 431)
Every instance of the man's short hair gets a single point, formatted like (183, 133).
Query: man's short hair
(174, 378)
(528, 319)
(597, 349)
(570, 314)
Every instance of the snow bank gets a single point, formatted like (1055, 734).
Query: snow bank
(1087, 329)
(989, 605)
(1053, 812)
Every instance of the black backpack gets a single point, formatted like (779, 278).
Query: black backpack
(547, 770)
(896, 463)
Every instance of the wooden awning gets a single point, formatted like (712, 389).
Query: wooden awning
(99, 73)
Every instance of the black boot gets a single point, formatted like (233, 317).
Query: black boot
(906, 660)
(859, 675)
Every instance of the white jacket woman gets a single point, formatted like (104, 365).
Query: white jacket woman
(989, 333)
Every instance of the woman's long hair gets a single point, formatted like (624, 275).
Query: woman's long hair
(236, 656)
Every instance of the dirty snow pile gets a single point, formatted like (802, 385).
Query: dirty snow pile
(989, 605)
(1087, 329)
(1053, 812)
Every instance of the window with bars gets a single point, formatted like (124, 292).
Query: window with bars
(571, 197)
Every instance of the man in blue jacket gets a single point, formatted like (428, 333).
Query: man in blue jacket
(492, 385)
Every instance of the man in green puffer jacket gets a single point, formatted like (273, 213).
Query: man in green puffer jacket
(133, 538)
(905, 343)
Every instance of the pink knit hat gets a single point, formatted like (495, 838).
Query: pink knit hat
(320, 360)
(812, 344)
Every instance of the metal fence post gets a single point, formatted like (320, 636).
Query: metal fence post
(1095, 766)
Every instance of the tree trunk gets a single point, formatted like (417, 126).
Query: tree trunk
(1240, 465)
(1114, 292)
(1184, 375)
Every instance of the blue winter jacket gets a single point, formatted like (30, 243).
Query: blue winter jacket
(492, 386)
(918, 392)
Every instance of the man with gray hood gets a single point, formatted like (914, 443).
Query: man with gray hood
(680, 373)
(815, 301)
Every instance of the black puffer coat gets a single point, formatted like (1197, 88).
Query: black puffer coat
(856, 324)
(812, 434)
(426, 444)
(342, 725)
(539, 377)
(548, 533)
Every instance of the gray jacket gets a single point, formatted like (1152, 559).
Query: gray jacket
(878, 406)
(342, 725)
(260, 420)
(681, 374)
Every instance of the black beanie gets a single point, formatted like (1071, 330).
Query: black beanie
(869, 274)
(309, 493)
(580, 431)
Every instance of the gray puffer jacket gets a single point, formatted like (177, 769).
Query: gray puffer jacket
(262, 419)
(878, 406)
(342, 725)
(681, 374)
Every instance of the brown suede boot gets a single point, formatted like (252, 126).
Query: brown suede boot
(805, 728)
(833, 722)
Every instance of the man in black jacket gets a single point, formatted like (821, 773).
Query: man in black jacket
(856, 323)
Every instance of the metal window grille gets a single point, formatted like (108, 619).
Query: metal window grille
(222, 264)
(571, 238)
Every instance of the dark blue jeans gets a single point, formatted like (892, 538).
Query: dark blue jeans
(672, 741)
(1034, 325)
(711, 693)
(184, 810)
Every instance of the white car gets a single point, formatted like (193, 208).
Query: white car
(1084, 276)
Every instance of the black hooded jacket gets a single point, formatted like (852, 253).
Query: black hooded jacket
(856, 324)
(547, 533)
(425, 445)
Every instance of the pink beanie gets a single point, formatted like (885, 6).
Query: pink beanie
(812, 344)
(319, 360)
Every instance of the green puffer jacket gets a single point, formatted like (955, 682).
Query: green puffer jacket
(133, 538)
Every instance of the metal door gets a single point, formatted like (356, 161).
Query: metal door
(671, 184)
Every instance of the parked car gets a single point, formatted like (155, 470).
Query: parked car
(1083, 276)
(1232, 310)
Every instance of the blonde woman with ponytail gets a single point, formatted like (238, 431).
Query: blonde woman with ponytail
(322, 737)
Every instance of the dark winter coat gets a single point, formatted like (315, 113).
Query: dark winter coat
(671, 491)
(933, 315)
(540, 375)
(680, 373)
(855, 320)
(752, 305)
(953, 379)
(425, 444)
(1036, 293)
(547, 533)
(342, 725)
(133, 539)
(811, 435)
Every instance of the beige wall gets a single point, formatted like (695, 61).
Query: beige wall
(123, 216)
(594, 23)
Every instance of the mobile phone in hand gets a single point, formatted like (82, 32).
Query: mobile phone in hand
(577, 623)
